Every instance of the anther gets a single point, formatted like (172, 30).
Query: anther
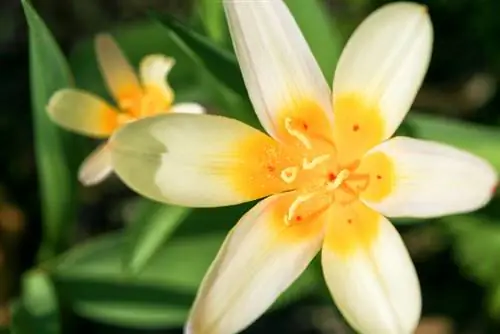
(294, 207)
(297, 134)
(289, 174)
(314, 162)
(341, 177)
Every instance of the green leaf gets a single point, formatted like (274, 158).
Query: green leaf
(37, 310)
(56, 162)
(148, 231)
(322, 35)
(306, 284)
(212, 16)
(221, 63)
(90, 278)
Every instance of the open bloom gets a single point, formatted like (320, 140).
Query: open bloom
(328, 170)
(85, 113)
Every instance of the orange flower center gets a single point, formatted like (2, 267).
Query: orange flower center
(320, 180)
(151, 102)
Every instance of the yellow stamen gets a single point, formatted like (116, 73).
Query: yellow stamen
(297, 134)
(289, 174)
(295, 205)
(315, 162)
(341, 177)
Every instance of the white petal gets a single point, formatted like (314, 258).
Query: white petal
(279, 69)
(82, 112)
(385, 60)
(96, 167)
(259, 259)
(188, 108)
(432, 179)
(195, 160)
(374, 283)
(154, 70)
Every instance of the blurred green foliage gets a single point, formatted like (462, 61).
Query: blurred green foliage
(144, 274)
(56, 150)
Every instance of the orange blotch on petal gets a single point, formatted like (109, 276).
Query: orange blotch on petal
(156, 100)
(380, 169)
(307, 118)
(255, 164)
(358, 126)
(303, 226)
(129, 99)
(108, 120)
(351, 228)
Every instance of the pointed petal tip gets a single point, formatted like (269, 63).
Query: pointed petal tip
(188, 328)
(96, 167)
(189, 108)
(53, 101)
(155, 67)
(103, 37)
(56, 98)
(159, 58)
(90, 179)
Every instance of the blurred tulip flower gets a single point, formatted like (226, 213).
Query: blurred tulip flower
(327, 167)
(136, 98)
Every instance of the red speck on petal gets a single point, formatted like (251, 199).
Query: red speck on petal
(298, 218)
(355, 127)
(349, 221)
(305, 126)
(331, 177)
(271, 168)
(379, 177)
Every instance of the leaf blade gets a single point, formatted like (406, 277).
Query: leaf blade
(55, 161)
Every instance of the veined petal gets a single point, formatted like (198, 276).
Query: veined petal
(96, 167)
(259, 259)
(429, 179)
(369, 272)
(154, 70)
(279, 69)
(188, 108)
(82, 112)
(119, 75)
(379, 74)
(198, 160)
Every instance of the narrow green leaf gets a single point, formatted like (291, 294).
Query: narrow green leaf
(90, 278)
(221, 63)
(318, 27)
(212, 16)
(152, 227)
(56, 162)
(36, 311)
